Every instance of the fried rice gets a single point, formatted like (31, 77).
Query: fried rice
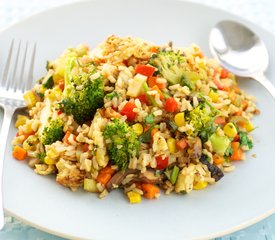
(163, 118)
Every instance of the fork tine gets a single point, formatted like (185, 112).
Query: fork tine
(12, 82)
(7, 66)
(30, 74)
(20, 81)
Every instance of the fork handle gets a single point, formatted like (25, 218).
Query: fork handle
(8, 113)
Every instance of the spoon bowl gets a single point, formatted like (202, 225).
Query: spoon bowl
(241, 51)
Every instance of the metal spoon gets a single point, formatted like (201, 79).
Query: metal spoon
(240, 51)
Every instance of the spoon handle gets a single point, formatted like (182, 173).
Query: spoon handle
(261, 78)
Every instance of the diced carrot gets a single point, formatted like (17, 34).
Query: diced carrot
(154, 49)
(66, 137)
(152, 81)
(154, 131)
(105, 175)
(238, 113)
(171, 105)
(61, 84)
(26, 135)
(224, 73)
(241, 124)
(108, 170)
(85, 147)
(145, 70)
(219, 85)
(103, 178)
(19, 153)
(220, 120)
(181, 144)
(150, 191)
(244, 104)
(237, 152)
(156, 88)
(217, 159)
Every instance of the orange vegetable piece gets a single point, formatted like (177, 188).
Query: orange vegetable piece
(181, 144)
(19, 153)
(237, 152)
(145, 70)
(66, 137)
(220, 120)
(156, 88)
(152, 81)
(217, 159)
(224, 73)
(150, 190)
(108, 170)
(154, 131)
(103, 178)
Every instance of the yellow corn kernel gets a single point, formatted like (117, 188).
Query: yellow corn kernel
(200, 185)
(55, 94)
(249, 126)
(138, 128)
(179, 119)
(230, 130)
(21, 120)
(90, 185)
(29, 99)
(52, 153)
(171, 142)
(213, 95)
(134, 197)
(49, 160)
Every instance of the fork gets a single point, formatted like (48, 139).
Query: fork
(17, 78)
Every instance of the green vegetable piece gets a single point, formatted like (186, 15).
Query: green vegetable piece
(112, 95)
(219, 143)
(52, 132)
(174, 174)
(48, 82)
(202, 119)
(122, 143)
(245, 141)
(150, 97)
(149, 118)
(171, 65)
(41, 156)
(84, 91)
(146, 136)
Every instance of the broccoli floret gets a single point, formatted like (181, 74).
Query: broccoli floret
(202, 119)
(84, 91)
(122, 143)
(173, 67)
(52, 132)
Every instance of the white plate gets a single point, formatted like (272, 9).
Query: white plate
(239, 199)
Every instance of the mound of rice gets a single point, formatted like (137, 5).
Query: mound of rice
(190, 121)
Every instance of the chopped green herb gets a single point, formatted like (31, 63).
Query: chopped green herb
(146, 136)
(149, 119)
(244, 140)
(112, 95)
(41, 156)
(228, 151)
